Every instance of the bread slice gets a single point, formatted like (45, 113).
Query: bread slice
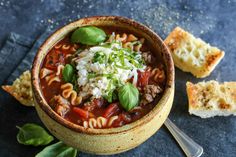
(21, 89)
(208, 99)
(192, 54)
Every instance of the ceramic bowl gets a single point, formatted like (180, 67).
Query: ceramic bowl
(113, 140)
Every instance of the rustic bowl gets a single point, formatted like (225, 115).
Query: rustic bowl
(113, 140)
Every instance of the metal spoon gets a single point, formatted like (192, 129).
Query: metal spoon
(190, 148)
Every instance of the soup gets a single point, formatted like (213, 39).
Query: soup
(102, 77)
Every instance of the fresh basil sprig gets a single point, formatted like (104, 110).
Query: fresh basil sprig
(128, 96)
(68, 73)
(32, 134)
(88, 35)
(58, 149)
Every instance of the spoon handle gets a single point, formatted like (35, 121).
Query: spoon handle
(190, 148)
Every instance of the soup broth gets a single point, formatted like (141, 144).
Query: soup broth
(95, 86)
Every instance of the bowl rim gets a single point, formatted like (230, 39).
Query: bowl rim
(42, 103)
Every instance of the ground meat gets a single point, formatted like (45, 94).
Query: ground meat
(147, 56)
(148, 97)
(150, 92)
(60, 105)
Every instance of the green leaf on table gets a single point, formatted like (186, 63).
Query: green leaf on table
(88, 35)
(32, 134)
(128, 96)
(58, 149)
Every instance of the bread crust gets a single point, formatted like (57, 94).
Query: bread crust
(21, 89)
(208, 99)
(187, 50)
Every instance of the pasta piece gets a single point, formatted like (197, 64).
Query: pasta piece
(85, 124)
(121, 38)
(44, 72)
(68, 92)
(65, 47)
(100, 122)
(74, 48)
(111, 120)
(58, 46)
(158, 74)
(137, 47)
(78, 100)
(68, 55)
(149, 68)
(92, 123)
(52, 78)
(128, 45)
(59, 69)
(60, 105)
(131, 38)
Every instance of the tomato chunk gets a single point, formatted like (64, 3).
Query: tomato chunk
(82, 113)
(111, 110)
(99, 102)
(143, 78)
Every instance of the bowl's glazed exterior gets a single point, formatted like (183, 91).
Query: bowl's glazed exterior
(113, 140)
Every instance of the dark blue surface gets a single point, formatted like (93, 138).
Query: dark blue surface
(213, 21)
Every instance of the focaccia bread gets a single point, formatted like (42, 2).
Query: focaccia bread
(21, 89)
(192, 54)
(208, 99)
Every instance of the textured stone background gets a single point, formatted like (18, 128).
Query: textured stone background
(213, 21)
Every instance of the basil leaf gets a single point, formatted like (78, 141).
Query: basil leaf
(111, 96)
(32, 134)
(128, 96)
(88, 35)
(68, 73)
(58, 149)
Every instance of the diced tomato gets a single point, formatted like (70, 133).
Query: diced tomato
(89, 107)
(111, 110)
(143, 78)
(54, 58)
(99, 102)
(82, 113)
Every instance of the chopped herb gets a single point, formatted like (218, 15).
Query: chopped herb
(99, 57)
